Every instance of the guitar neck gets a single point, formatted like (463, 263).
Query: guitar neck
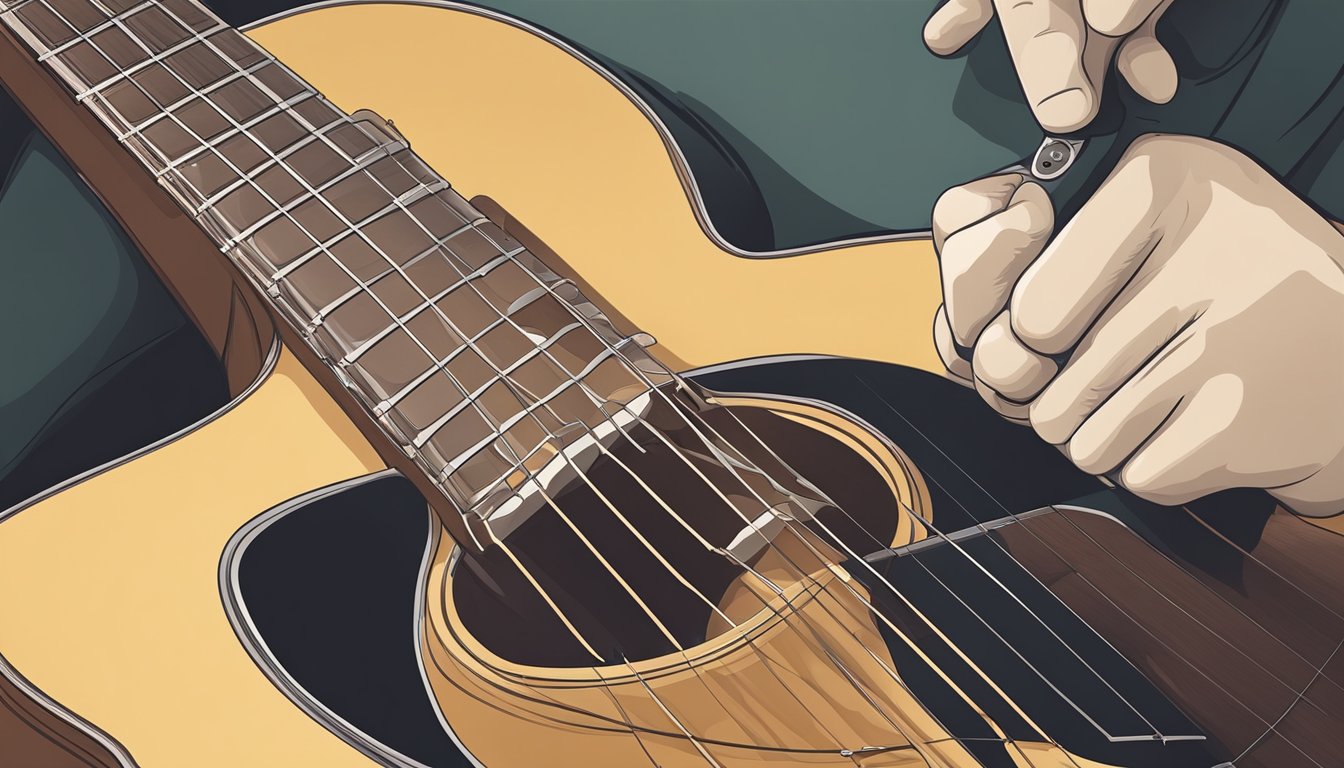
(465, 350)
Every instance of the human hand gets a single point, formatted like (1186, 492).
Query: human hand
(1062, 50)
(1184, 333)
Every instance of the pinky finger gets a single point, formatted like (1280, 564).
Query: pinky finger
(955, 24)
(1146, 65)
(1187, 458)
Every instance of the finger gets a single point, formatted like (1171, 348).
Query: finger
(1006, 366)
(954, 24)
(960, 207)
(1144, 62)
(1186, 459)
(1117, 18)
(1137, 410)
(1148, 68)
(956, 365)
(1063, 292)
(1014, 412)
(1118, 346)
(1060, 68)
(980, 264)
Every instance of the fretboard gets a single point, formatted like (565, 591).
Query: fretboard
(477, 360)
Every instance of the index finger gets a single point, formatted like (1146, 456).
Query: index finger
(1061, 295)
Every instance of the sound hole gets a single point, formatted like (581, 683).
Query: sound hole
(505, 613)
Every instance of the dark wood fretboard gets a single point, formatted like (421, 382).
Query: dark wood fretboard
(472, 356)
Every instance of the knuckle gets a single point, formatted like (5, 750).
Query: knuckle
(951, 209)
(1007, 367)
(1053, 424)
(1087, 456)
(1142, 478)
(962, 315)
(963, 205)
(1035, 323)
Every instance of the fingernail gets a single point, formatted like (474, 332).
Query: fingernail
(1066, 111)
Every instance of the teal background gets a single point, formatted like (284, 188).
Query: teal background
(836, 112)
(98, 359)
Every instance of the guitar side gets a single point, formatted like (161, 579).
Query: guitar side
(110, 587)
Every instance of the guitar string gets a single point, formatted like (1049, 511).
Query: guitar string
(768, 662)
(1133, 620)
(615, 702)
(1110, 553)
(1274, 727)
(200, 40)
(666, 711)
(1168, 558)
(639, 373)
(875, 611)
(957, 546)
(813, 631)
(435, 308)
(593, 550)
(802, 572)
(246, 178)
(572, 309)
(751, 524)
(734, 472)
(1249, 555)
(910, 606)
(1183, 610)
(546, 701)
(853, 555)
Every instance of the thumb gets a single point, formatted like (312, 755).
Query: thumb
(1060, 61)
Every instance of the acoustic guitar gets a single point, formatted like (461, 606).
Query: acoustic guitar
(638, 551)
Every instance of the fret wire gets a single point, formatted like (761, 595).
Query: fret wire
(354, 230)
(210, 89)
(313, 193)
(573, 310)
(474, 449)
(272, 160)
(225, 136)
(468, 343)
(336, 303)
(527, 410)
(597, 400)
(192, 38)
(499, 431)
(391, 402)
(21, 29)
(425, 434)
(195, 93)
(85, 36)
(494, 263)
(608, 351)
(125, 74)
(365, 160)
(438, 242)
(397, 202)
(545, 402)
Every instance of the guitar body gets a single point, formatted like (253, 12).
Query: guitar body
(110, 590)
